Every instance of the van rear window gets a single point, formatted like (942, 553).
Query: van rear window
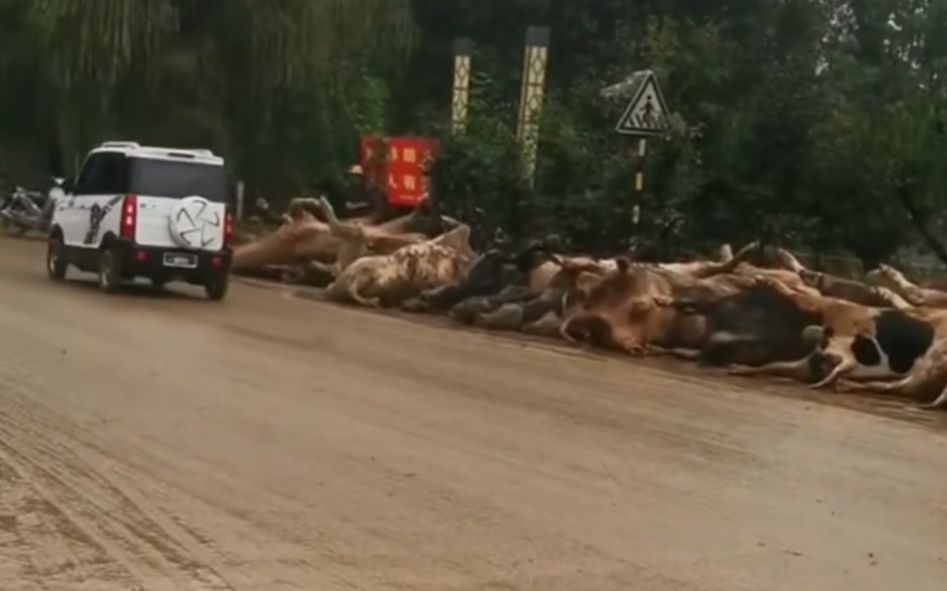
(163, 178)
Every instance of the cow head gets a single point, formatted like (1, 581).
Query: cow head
(457, 240)
(578, 288)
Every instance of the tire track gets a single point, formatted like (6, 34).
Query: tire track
(94, 511)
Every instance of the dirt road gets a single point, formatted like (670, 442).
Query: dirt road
(268, 443)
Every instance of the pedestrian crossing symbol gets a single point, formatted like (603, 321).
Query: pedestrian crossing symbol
(647, 112)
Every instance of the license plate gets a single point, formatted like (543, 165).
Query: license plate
(180, 261)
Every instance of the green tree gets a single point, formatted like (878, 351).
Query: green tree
(273, 85)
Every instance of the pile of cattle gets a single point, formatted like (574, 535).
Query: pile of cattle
(884, 334)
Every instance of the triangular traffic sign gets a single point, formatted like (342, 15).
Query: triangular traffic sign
(647, 113)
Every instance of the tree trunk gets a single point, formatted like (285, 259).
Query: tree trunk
(921, 222)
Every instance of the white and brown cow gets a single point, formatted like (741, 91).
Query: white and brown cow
(389, 280)
(858, 342)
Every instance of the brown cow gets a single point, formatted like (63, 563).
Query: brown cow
(629, 311)
(580, 278)
(302, 239)
(305, 236)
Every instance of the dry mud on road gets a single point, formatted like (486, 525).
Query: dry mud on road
(267, 443)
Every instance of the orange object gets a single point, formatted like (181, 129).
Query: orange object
(400, 165)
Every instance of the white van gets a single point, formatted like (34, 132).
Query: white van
(139, 211)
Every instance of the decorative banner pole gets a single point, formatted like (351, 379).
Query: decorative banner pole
(531, 99)
(645, 116)
(463, 48)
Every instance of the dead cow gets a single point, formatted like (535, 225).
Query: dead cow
(389, 280)
(306, 235)
(753, 327)
(493, 272)
(858, 342)
(358, 239)
(629, 311)
(536, 314)
(926, 383)
(299, 239)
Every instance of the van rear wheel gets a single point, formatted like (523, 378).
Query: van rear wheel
(110, 275)
(56, 266)
(216, 286)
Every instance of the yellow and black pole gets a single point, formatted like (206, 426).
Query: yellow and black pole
(460, 101)
(532, 91)
(638, 162)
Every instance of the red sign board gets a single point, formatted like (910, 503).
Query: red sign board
(399, 164)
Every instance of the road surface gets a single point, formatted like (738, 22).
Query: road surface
(270, 443)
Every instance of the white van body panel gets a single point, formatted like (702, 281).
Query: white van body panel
(190, 222)
(162, 222)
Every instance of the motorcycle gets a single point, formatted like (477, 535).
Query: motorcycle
(28, 211)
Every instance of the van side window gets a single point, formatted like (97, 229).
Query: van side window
(87, 178)
(104, 174)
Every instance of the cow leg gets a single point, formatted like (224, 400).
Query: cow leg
(630, 341)
(938, 404)
(354, 288)
(811, 303)
(564, 332)
(363, 301)
(797, 370)
(633, 347)
(880, 387)
(889, 298)
(709, 270)
(684, 354)
(788, 261)
(909, 291)
(663, 301)
(840, 370)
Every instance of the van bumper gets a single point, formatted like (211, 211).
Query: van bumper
(165, 264)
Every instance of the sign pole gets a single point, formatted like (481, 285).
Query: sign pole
(645, 116)
(639, 160)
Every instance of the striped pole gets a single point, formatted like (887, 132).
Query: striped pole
(531, 98)
(460, 102)
(638, 159)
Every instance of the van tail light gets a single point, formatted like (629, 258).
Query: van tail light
(129, 217)
(228, 228)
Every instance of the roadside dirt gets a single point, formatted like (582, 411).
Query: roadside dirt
(164, 442)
